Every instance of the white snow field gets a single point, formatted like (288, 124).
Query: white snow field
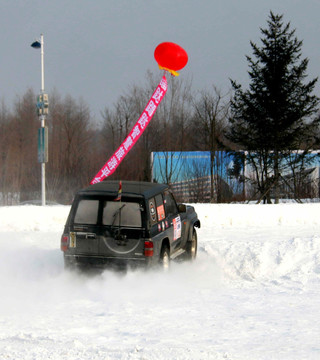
(253, 292)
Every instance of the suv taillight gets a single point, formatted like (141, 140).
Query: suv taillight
(148, 248)
(64, 242)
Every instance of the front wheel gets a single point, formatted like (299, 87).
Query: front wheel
(192, 245)
(164, 261)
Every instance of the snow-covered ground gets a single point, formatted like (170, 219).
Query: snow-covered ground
(253, 292)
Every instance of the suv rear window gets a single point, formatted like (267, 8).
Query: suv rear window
(87, 212)
(114, 213)
(121, 213)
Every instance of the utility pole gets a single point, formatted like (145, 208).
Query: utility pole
(42, 108)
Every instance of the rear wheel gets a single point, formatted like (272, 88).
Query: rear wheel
(165, 258)
(192, 245)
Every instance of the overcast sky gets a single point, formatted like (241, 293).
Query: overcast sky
(96, 49)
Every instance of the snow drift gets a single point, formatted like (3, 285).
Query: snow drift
(252, 293)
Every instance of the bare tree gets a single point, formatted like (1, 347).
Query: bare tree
(198, 182)
(209, 124)
(23, 148)
(6, 137)
(167, 130)
(69, 147)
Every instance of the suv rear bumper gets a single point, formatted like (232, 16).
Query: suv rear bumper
(100, 262)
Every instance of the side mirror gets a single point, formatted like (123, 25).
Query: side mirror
(182, 208)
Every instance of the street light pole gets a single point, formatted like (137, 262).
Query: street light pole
(42, 63)
(42, 107)
(43, 119)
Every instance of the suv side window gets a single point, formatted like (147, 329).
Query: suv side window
(160, 207)
(170, 204)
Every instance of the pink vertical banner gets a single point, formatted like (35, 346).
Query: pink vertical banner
(111, 165)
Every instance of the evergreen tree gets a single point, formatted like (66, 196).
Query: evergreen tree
(278, 112)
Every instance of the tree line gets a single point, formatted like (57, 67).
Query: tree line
(277, 114)
(79, 144)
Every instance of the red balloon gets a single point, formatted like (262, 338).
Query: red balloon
(170, 56)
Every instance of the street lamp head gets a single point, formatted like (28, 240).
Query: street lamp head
(36, 45)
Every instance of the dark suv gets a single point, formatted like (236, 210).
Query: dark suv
(134, 223)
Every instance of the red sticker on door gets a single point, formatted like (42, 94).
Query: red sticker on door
(160, 211)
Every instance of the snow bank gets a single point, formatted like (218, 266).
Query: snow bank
(258, 215)
(252, 293)
(51, 218)
(263, 242)
(33, 218)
